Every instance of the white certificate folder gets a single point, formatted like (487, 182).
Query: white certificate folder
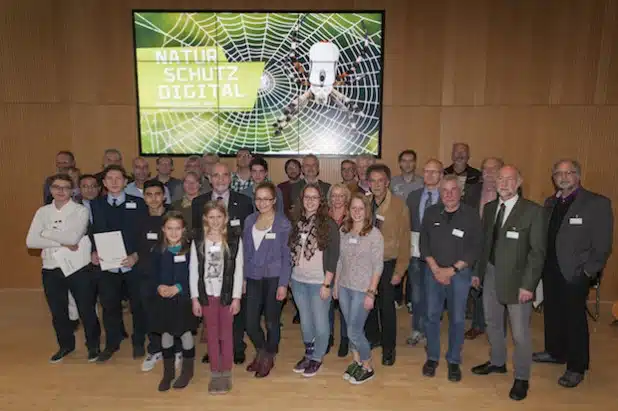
(110, 248)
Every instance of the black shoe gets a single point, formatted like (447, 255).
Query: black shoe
(331, 342)
(138, 352)
(519, 391)
(571, 379)
(344, 348)
(454, 372)
(388, 357)
(296, 319)
(545, 357)
(205, 359)
(106, 355)
(63, 352)
(429, 369)
(93, 354)
(75, 325)
(374, 344)
(488, 368)
(238, 358)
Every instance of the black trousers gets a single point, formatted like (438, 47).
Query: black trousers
(109, 285)
(381, 324)
(262, 297)
(137, 285)
(240, 322)
(566, 322)
(82, 286)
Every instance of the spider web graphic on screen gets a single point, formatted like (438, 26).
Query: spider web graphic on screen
(282, 120)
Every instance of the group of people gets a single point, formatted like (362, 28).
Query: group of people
(227, 247)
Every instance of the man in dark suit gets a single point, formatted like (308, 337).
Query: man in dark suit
(311, 171)
(579, 242)
(510, 266)
(418, 201)
(238, 208)
(469, 177)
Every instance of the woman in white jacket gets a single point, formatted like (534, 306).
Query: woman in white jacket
(55, 229)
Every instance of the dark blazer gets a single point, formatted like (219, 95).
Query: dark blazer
(586, 246)
(238, 208)
(169, 272)
(297, 188)
(473, 175)
(519, 262)
(414, 202)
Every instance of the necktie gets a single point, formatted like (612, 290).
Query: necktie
(114, 202)
(496, 233)
(428, 203)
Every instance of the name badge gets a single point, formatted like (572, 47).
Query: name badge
(576, 221)
(368, 193)
(458, 233)
(353, 240)
(130, 205)
(235, 223)
(214, 248)
(513, 235)
(380, 217)
(303, 236)
(152, 236)
(270, 236)
(436, 224)
(180, 258)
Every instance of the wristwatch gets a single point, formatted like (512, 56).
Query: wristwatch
(326, 285)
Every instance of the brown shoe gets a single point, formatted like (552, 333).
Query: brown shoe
(265, 365)
(253, 365)
(226, 382)
(472, 333)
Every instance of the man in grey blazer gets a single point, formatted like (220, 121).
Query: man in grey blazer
(311, 171)
(418, 201)
(510, 266)
(579, 242)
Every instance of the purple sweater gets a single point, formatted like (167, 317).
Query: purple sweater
(272, 258)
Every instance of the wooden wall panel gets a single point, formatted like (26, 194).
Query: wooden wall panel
(525, 80)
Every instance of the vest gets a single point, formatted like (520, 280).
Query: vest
(229, 267)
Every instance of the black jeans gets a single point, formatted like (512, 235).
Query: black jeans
(110, 297)
(82, 286)
(381, 324)
(262, 297)
(240, 321)
(137, 287)
(566, 322)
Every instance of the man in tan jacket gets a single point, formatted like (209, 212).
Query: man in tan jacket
(391, 216)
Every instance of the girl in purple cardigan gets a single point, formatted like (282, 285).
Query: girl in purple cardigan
(267, 267)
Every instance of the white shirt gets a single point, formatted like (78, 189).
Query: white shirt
(225, 196)
(508, 207)
(258, 235)
(213, 270)
(51, 228)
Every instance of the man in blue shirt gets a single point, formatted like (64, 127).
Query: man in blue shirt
(116, 211)
(418, 201)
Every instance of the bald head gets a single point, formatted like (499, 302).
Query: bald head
(141, 170)
(509, 181)
(220, 178)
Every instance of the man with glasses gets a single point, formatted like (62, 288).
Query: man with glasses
(238, 207)
(418, 201)
(64, 161)
(241, 179)
(579, 242)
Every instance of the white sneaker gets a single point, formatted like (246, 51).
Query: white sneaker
(178, 360)
(150, 361)
(416, 338)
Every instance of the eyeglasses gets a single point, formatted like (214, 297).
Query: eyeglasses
(312, 198)
(263, 200)
(564, 173)
(89, 186)
(60, 188)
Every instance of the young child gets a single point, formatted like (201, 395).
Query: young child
(171, 313)
(216, 289)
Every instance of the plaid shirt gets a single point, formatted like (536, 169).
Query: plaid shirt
(239, 185)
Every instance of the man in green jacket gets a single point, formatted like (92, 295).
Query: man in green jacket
(510, 265)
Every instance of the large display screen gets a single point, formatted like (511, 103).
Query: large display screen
(280, 83)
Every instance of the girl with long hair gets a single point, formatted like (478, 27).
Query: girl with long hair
(171, 313)
(216, 289)
(314, 242)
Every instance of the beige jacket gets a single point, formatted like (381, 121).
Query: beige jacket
(395, 228)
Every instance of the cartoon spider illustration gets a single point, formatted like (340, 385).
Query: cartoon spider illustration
(322, 80)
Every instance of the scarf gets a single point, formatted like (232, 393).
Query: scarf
(305, 226)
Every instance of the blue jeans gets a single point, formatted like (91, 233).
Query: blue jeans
(416, 279)
(456, 295)
(343, 327)
(352, 306)
(314, 320)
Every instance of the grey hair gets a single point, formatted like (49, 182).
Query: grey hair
(366, 157)
(209, 154)
(450, 177)
(113, 151)
(576, 165)
(194, 158)
(497, 159)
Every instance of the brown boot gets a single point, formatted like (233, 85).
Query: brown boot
(188, 363)
(253, 365)
(169, 370)
(265, 365)
(215, 383)
(226, 383)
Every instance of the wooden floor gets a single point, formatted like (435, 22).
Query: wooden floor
(29, 382)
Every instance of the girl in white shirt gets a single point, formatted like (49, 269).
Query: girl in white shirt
(216, 281)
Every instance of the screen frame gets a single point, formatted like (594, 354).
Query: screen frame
(382, 12)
